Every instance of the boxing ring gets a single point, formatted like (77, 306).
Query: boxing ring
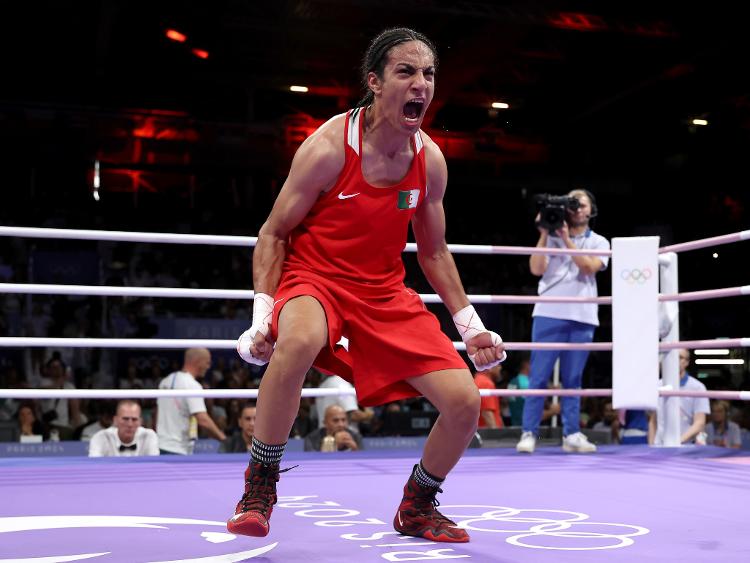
(622, 503)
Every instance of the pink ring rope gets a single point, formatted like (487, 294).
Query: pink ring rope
(703, 243)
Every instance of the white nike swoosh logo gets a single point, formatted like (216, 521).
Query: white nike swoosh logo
(342, 196)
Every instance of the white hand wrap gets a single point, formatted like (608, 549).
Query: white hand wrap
(469, 325)
(262, 316)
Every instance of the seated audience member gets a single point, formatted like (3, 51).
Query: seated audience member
(126, 436)
(520, 381)
(240, 442)
(693, 410)
(610, 422)
(105, 411)
(354, 414)
(721, 431)
(489, 409)
(30, 429)
(335, 429)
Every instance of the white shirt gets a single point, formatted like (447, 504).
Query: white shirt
(176, 424)
(688, 407)
(562, 278)
(106, 443)
(346, 402)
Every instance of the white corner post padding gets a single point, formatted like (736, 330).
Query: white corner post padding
(635, 322)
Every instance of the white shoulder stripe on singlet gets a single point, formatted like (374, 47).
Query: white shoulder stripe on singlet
(353, 132)
(418, 141)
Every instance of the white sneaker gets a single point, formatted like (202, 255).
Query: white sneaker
(527, 443)
(578, 443)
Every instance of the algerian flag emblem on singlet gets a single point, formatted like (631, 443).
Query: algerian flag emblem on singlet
(408, 199)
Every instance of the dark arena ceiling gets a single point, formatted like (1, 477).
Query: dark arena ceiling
(601, 93)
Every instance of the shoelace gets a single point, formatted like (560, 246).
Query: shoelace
(262, 492)
(427, 504)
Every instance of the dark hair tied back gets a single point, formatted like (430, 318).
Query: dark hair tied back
(376, 55)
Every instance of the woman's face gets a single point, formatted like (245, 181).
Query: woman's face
(26, 416)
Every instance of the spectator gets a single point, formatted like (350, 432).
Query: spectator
(520, 381)
(354, 414)
(610, 422)
(693, 410)
(721, 431)
(29, 428)
(126, 436)
(240, 442)
(102, 422)
(489, 409)
(178, 419)
(334, 426)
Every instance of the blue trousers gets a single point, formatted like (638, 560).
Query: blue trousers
(572, 363)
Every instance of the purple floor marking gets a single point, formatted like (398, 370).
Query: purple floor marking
(639, 504)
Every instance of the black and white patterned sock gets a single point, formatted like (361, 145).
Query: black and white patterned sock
(268, 454)
(424, 478)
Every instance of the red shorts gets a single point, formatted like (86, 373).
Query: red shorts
(392, 337)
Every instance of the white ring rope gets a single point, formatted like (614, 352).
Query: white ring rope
(181, 343)
(506, 250)
(315, 392)
(701, 344)
(127, 236)
(247, 294)
(707, 294)
(228, 240)
(724, 395)
(125, 291)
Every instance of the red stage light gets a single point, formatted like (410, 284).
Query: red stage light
(200, 53)
(175, 35)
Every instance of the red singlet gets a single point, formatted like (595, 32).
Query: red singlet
(347, 254)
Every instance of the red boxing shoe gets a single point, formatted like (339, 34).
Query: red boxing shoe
(418, 516)
(254, 508)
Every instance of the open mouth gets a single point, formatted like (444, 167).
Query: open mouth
(413, 110)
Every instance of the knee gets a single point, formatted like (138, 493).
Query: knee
(300, 345)
(464, 409)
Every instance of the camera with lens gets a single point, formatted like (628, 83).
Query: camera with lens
(552, 209)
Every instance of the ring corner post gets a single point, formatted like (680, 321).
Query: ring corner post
(635, 326)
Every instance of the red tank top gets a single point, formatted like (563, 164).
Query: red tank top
(355, 233)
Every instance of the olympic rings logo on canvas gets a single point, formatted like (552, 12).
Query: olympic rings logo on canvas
(542, 528)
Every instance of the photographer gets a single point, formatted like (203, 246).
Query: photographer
(563, 222)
